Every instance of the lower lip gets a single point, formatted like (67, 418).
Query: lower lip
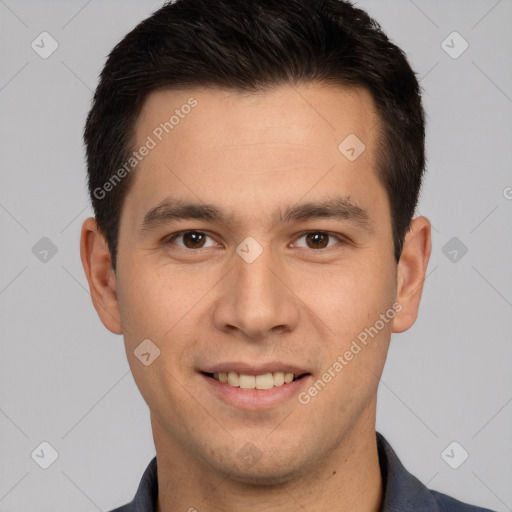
(255, 399)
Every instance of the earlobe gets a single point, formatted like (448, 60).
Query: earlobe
(412, 269)
(97, 264)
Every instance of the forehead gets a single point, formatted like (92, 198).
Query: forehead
(256, 147)
(313, 115)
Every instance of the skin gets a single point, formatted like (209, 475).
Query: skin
(251, 155)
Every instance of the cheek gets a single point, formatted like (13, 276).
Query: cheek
(153, 300)
(158, 305)
(346, 298)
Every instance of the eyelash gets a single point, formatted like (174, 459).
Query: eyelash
(170, 239)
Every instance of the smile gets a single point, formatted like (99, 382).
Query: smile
(263, 381)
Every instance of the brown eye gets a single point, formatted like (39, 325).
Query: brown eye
(193, 239)
(190, 240)
(317, 240)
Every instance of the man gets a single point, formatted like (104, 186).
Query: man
(254, 167)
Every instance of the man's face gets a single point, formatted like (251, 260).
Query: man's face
(254, 290)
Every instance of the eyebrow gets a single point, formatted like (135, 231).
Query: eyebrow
(339, 208)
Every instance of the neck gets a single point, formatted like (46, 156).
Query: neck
(348, 479)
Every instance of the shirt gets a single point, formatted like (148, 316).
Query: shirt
(403, 492)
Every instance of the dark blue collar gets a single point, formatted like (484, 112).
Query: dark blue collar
(403, 492)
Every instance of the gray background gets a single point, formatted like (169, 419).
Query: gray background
(65, 380)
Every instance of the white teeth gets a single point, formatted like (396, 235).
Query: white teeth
(247, 381)
(264, 381)
(279, 378)
(233, 379)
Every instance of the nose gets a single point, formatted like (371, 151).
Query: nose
(255, 302)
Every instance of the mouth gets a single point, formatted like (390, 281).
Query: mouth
(262, 381)
(255, 387)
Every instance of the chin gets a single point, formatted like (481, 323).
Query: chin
(266, 469)
(263, 476)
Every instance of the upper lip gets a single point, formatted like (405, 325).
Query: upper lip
(253, 369)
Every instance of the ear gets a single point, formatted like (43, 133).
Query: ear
(411, 272)
(97, 264)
